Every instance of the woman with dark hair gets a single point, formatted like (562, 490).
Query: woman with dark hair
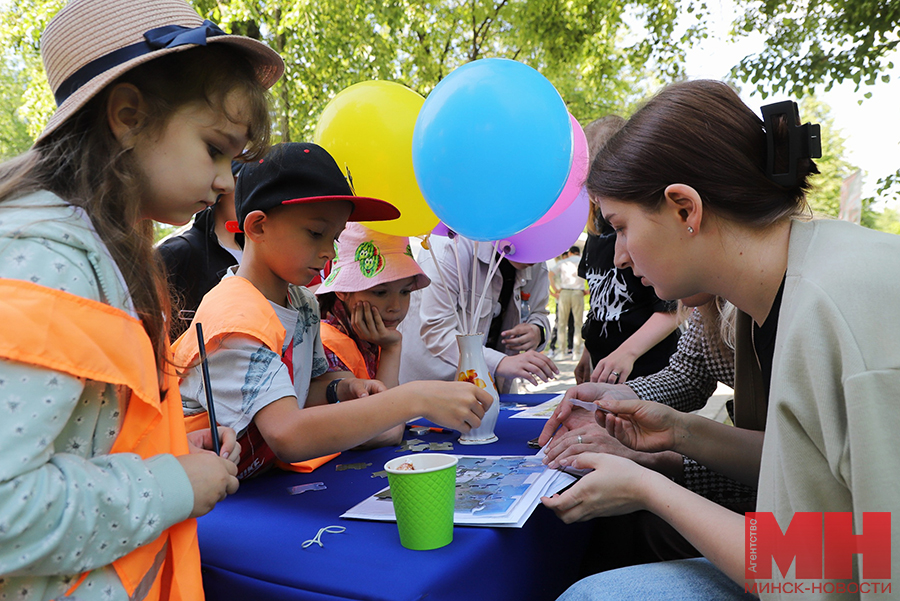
(705, 197)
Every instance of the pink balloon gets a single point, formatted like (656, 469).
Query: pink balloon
(542, 242)
(577, 173)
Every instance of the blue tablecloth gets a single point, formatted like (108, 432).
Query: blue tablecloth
(251, 543)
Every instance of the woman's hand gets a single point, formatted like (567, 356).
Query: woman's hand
(201, 441)
(614, 487)
(588, 437)
(368, 325)
(212, 479)
(530, 365)
(643, 425)
(583, 369)
(614, 368)
(560, 420)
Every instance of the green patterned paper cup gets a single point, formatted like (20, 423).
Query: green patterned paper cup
(423, 499)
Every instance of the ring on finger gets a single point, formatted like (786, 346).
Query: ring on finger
(579, 439)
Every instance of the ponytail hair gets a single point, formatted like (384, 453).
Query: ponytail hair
(701, 134)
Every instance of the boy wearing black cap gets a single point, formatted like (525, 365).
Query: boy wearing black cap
(261, 328)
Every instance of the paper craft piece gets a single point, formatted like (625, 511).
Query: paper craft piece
(490, 491)
(379, 474)
(302, 488)
(415, 445)
(406, 444)
(419, 430)
(542, 411)
(592, 407)
(512, 406)
(351, 466)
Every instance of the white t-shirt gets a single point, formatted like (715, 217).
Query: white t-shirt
(246, 376)
(566, 272)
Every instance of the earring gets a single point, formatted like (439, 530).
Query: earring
(690, 230)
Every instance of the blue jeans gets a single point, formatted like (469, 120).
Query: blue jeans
(683, 579)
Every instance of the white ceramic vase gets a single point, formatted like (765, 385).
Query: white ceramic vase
(473, 368)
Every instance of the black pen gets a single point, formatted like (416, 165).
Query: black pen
(210, 408)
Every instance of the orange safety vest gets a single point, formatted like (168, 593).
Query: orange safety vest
(235, 305)
(83, 338)
(346, 350)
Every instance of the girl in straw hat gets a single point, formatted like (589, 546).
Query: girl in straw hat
(362, 301)
(97, 477)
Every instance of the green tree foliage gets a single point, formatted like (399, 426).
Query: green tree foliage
(14, 135)
(887, 221)
(825, 197)
(580, 45)
(813, 43)
(21, 24)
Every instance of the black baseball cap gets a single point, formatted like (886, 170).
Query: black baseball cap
(294, 173)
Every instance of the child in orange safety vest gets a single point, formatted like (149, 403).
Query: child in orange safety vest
(99, 483)
(362, 301)
(268, 372)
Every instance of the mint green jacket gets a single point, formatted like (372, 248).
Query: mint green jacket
(66, 505)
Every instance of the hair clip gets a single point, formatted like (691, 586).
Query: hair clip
(804, 141)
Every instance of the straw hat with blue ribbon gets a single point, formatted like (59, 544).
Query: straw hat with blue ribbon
(90, 43)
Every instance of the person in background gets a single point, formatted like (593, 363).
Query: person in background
(512, 346)
(267, 367)
(97, 478)
(629, 331)
(197, 259)
(569, 289)
(362, 302)
(565, 349)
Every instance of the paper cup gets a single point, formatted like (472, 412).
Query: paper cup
(423, 499)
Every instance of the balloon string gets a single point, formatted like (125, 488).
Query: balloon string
(440, 272)
(462, 290)
(492, 269)
(474, 319)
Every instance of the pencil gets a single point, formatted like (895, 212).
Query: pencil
(210, 408)
(429, 428)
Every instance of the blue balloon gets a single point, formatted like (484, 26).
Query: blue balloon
(492, 148)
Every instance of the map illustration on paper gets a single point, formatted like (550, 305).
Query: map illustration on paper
(488, 486)
(490, 491)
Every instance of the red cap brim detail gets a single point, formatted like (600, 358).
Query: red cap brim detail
(364, 208)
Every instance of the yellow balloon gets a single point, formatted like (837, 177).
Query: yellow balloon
(368, 129)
